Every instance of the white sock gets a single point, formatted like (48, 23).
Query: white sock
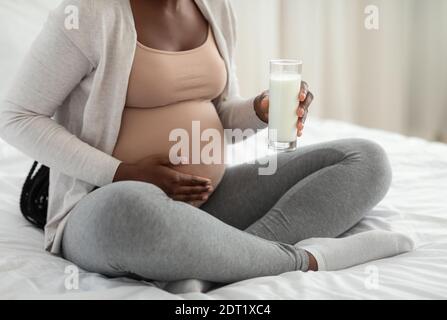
(340, 253)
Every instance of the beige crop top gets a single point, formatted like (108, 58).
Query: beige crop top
(160, 78)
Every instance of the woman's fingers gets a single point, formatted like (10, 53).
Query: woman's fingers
(303, 91)
(183, 179)
(183, 190)
(188, 188)
(308, 101)
(190, 198)
(300, 124)
(306, 104)
(300, 127)
(300, 112)
(306, 97)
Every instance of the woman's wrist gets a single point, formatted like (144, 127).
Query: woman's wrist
(125, 172)
(258, 106)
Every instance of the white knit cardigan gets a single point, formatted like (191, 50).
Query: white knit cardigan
(64, 108)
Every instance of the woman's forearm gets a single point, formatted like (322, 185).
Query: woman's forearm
(54, 66)
(239, 113)
(44, 140)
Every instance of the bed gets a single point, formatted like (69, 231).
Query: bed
(416, 205)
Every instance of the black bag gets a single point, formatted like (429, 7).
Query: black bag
(34, 197)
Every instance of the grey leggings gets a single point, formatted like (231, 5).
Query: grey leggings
(247, 228)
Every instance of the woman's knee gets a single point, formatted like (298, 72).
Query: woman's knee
(130, 206)
(115, 217)
(373, 165)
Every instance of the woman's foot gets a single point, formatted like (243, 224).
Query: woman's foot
(328, 254)
(313, 264)
(186, 286)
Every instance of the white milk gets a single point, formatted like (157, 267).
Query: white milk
(284, 90)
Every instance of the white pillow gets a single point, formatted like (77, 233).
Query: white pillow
(20, 23)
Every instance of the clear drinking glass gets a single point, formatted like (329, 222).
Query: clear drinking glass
(285, 83)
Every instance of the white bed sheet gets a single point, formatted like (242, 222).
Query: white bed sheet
(416, 205)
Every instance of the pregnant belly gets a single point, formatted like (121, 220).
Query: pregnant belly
(146, 131)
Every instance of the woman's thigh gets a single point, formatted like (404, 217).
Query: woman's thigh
(244, 196)
(108, 221)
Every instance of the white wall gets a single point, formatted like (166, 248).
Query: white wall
(20, 22)
(258, 42)
(394, 78)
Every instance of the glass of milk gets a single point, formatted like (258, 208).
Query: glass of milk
(285, 83)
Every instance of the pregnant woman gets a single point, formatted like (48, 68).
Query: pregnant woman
(100, 91)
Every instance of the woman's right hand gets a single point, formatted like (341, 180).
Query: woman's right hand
(159, 171)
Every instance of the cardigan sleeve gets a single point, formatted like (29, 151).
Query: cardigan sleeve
(236, 112)
(53, 67)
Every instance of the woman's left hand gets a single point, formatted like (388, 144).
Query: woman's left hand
(305, 99)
